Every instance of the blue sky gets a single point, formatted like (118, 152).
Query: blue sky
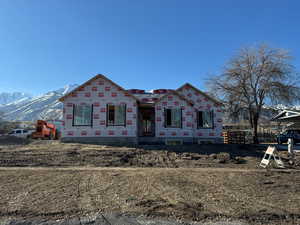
(145, 44)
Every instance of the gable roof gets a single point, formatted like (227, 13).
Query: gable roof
(175, 93)
(287, 115)
(201, 92)
(98, 76)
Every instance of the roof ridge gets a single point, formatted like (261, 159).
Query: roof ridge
(176, 93)
(92, 79)
(199, 91)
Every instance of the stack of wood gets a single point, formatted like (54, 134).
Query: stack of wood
(234, 137)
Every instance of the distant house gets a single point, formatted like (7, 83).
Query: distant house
(289, 117)
(101, 111)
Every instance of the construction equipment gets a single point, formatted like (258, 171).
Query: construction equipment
(44, 130)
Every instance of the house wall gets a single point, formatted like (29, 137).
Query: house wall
(99, 92)
(173, 101)
(202, 103)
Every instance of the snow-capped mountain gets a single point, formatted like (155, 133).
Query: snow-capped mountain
(283, 107)
(66, 89)
(267, 113)
(6, 98)
(44, 107)
(22, 107)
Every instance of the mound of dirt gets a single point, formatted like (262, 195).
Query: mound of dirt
(54, 153)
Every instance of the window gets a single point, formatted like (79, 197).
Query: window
(173, 118)
(18, 132)
(205, 119)
(116, 115)
(82, 115)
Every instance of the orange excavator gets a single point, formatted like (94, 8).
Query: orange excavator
(45, 130)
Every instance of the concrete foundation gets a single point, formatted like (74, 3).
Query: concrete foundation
(162, 140)
(140, 140)
(208, 140)
(102, 140)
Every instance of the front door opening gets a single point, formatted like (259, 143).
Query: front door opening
(146, 122)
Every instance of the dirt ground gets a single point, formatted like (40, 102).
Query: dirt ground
(51, 180)
(56, 154)
(200, 194)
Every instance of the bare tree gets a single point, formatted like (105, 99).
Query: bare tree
(254, 77)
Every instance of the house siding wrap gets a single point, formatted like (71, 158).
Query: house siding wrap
(100, 91)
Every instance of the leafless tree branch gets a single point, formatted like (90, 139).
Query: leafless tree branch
(254, 77)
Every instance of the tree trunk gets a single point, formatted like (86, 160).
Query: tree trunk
(251, 118)
(255, 125)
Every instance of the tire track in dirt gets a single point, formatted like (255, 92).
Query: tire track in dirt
(203, 169)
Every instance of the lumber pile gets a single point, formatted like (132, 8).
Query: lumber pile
(234, 137)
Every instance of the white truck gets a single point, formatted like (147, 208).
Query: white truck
(21, 133)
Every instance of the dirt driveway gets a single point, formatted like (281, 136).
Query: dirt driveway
(191, 194)
(52, 181)
(113, 219)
